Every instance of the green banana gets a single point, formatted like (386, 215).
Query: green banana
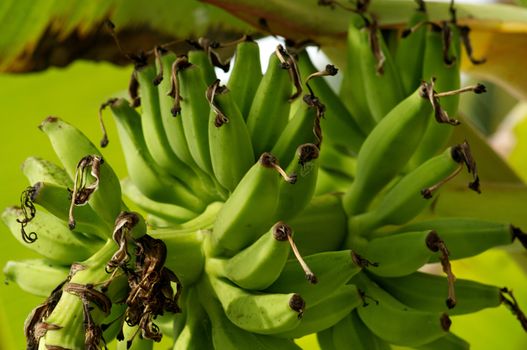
(28, 275)
(408, 197)
(303, 128)
(246, 75)
(427, 292)
(411, 50)
(321, 226)
(226, 335)
(382, 83)
(293, 198)
(249, 211)
(201, 58)
(352, 333)
(447, 71)
(258, 313)
(40, 170)
(327, 312)
(334, 159)
(55, 240)
(196, 334)
(467, 237)
(387, 149)
(141, 167)
(397, 323)
(55, 199)
(400, 254)
(338, 124)
(169, 212)
(106, 196)
(259, 265)
(192, 104)
(353, 92)
(449, 341)
(330, 181)
(268, 115)
(231, 150)
(332, 269)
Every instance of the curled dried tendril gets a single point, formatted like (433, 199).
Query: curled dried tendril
(28, 212)
(436, 244)
(288, 62)
(215, 89)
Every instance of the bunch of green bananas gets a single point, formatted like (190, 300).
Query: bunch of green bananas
(215, 265)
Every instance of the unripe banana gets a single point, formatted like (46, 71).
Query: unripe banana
(141, 167)
(330, 181)
(269, 111)
(427, 292)
(40, 170)
(259, 265)
(338, 124)
(194, 110)
(106, 199)
(448, 78)
(467, 237)
(387, 149)
(169, 212)
(258, 313)
(295, 197)
(332, 269)
(303, 128)
(55, 240)
(325, 339)
(353, 91)
(37, 276)
(226, 335)
(411, 50)
(230, 144)
(56, 200)
(246, 75)
(382, 83)
(201, 58)
(405, 199)
(336, 160)
(401, 254)
(397, 323)
(327, 312)
(196, 334)
(321, 226)
(352, 333)
(249, 211)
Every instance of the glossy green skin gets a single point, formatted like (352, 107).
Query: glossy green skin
(106, 201)
(395, 322)
(437, 135)
(466, 237)
(249, 211)
(397, 255)
(27, 274)
(246, 75)
(404, 200)
(269, 111)
(410, 52)
(201, 59)
(383, 91)
(195, 115)
(330, 310)
(259, 265)
(255, 312)
(295, 197)
(449, 341)
(386, 151)
(353, 93)
(196, 334)
(352, 333)
(142, 169)
(231, 150)
(338, 125)
(36, 169)
(428, 292)
(332, 269)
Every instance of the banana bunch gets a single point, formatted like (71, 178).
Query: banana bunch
(275, 207)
